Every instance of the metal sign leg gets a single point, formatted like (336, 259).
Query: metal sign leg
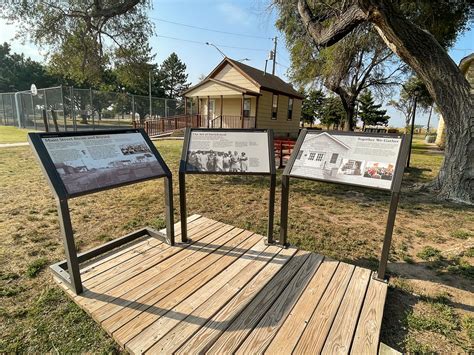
(169, 210)
(271, 209)
(285, 192)
(182, 207)
(388, 235)
(69, 246)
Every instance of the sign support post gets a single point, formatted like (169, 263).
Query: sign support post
(69, 246)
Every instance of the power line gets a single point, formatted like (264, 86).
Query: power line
(204, 43)
(209, 29)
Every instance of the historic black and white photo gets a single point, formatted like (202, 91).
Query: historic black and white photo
(354, 159)
(231, 152)
(96, 161)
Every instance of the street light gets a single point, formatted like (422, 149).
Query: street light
(213, 45)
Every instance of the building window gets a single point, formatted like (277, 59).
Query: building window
(274, 107)
(246, 107)
(290, 108)
(334, 158)
(319, 157)
(311, 156)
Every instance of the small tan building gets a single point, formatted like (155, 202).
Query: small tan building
(235, 95)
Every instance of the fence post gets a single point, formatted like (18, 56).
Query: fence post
(17, 105)
(73, 116)
(146, 126)
(166, 106)
(33, 109)
(133, 109)
(64, 109)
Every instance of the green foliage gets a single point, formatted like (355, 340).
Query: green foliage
(84, 37)
(17, 72)
(311, 109)
(332, 112)
(429, 253)
(173, 76)
(371, 113)
(461, 234)
(36, 266)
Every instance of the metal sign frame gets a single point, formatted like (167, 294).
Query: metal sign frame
(68, 270)
(183, 172)
(394, 188)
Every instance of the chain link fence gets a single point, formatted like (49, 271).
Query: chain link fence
(70, 109)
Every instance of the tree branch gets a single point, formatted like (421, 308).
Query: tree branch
(340, 26)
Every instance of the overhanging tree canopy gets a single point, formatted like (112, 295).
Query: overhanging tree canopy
(427, 58)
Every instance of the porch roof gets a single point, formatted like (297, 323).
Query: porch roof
(213, 87)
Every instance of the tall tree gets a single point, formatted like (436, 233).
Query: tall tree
(17, 72)
(359, 61)
(332, 112)
(83, 37)
(371, 113)
(173, 76)
(405, 104)
(415, 43)
(311, 109)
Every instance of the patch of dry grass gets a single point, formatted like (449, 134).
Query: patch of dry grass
(346, 223)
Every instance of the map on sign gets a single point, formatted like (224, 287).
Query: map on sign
(348, 158)
(91, 162)
(228, 152)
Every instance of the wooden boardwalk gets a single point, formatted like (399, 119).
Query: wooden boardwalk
(228, 292)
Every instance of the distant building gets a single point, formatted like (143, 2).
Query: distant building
(467, 68)
(235, 95)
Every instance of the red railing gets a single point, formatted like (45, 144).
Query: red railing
(161, 125)
(283, 150)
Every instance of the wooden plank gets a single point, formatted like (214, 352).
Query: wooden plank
(135, 257)
(219, 310)
(243, 324)
(93, 299)
(265, 330)
(113, 254)
(366, 338)
(141, 283)
(186, 290)
(343, 328)
(116, 274)
(204, 271)
(162, 283)
(315, 333)
(290, 332)
(241, 270)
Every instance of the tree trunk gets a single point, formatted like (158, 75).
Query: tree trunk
(448, 88)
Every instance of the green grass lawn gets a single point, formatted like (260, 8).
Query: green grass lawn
(10, 134)
(431, 259)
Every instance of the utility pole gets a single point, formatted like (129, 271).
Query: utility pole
(274, 54)
(149, 91)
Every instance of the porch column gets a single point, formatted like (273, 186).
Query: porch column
(185, 105)
(222, 105)
(199, 106)
(256, 111)
(242, 110)
(208, 110)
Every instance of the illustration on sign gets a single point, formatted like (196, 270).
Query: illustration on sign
(354, 159)
(237, 152)
(96, 161)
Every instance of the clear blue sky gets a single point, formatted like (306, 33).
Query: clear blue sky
(251, 18)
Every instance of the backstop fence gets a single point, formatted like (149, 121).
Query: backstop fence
(65, 108)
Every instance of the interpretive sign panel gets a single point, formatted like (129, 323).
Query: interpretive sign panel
(356, 159)
(91, 162)
(228, 152)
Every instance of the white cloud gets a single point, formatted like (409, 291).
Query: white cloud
(234, 14)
